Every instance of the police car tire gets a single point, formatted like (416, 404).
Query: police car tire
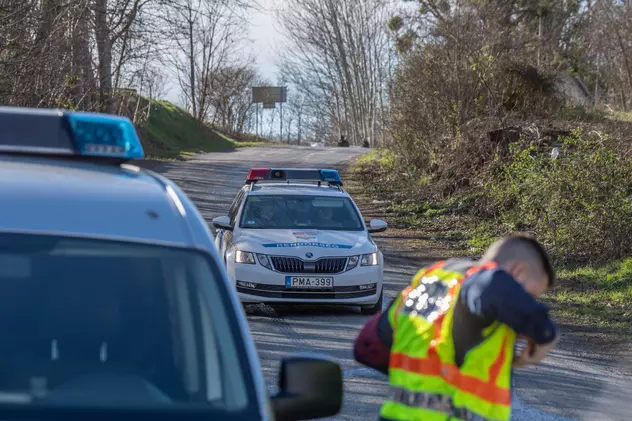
(376, 308)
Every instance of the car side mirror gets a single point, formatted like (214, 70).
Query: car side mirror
(309, 387)
(222, 223)
(377, 225)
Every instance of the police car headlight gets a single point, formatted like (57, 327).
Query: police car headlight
(353, 262)
(264, 261)
(369, 259)
(244, 257)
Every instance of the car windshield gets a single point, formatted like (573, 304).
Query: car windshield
(300, 211)
(105, 324)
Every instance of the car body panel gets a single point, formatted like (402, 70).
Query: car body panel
(297, 242)
(87, 199)
(45, 195)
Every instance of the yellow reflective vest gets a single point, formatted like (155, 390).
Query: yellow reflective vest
(426, 384)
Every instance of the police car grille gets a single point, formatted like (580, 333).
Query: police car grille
(281, 292)
(296, 265)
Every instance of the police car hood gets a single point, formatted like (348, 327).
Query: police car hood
(298, 242)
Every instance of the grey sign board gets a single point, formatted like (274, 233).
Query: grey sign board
(269, 94)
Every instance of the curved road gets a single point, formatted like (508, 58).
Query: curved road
(572, 383)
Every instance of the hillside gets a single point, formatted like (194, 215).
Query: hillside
(505, 180)
(170, 132)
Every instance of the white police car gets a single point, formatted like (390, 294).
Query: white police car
(295, 236)
(113, 299)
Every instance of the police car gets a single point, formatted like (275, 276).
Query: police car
(296, 236)
(113, 299)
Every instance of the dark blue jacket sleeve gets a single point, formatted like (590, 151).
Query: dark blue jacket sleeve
(496, 295)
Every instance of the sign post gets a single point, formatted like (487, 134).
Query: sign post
(269, 96)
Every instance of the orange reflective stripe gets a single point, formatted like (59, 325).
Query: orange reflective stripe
(432, 366)
(474, 269)
(497, 366)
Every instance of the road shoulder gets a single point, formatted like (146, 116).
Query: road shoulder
(589, 375)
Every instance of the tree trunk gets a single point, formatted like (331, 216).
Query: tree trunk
(104, 49)
(82, 62)
(192, 64)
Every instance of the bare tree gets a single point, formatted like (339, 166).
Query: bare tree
(230, 98)
(113, 20)
(206, 37)
(609, 54)
(339, 59)
(337, 56)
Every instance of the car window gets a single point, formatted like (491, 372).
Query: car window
(234, 207)
(109, 323)
(300, 211)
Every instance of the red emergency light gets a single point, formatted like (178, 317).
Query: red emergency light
(258, 174)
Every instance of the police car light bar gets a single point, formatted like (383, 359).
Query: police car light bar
(258, 174)
(56, 132)
(286, 174)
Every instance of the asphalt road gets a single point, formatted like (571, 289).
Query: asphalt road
(573, 383)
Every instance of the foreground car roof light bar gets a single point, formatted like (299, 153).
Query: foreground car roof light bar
(51, 132)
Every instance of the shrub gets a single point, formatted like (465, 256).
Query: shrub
(578, 204)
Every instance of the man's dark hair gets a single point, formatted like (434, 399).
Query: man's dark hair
(542, 254)
(504, 250)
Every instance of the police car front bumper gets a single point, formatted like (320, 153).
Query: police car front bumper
(361, 285)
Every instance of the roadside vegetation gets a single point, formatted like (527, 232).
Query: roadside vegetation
(496, 130)
(63, 55)
(170, 132)
(490, 116)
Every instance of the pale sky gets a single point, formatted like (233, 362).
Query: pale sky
(264, 37)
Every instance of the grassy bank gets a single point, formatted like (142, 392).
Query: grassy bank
(172, 133)
(594, 295)
(598, 296)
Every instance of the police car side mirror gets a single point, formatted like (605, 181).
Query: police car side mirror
(377, 225)
(222, 223)
(309, 387)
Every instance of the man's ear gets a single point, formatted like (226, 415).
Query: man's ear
(517, 269)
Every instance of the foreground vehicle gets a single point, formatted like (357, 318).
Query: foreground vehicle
(114, 300)
(295, 236)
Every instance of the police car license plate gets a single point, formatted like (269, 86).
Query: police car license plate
(307, 282)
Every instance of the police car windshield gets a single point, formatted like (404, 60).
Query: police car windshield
(103, 324)
(300, 211)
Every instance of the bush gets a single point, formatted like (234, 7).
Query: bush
(578, 204)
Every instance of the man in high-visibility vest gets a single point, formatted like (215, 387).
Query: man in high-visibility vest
(447, 341)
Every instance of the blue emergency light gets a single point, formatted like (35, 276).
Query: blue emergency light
(56, 132)
(331, 176)
(105, 135)
(296, 174)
